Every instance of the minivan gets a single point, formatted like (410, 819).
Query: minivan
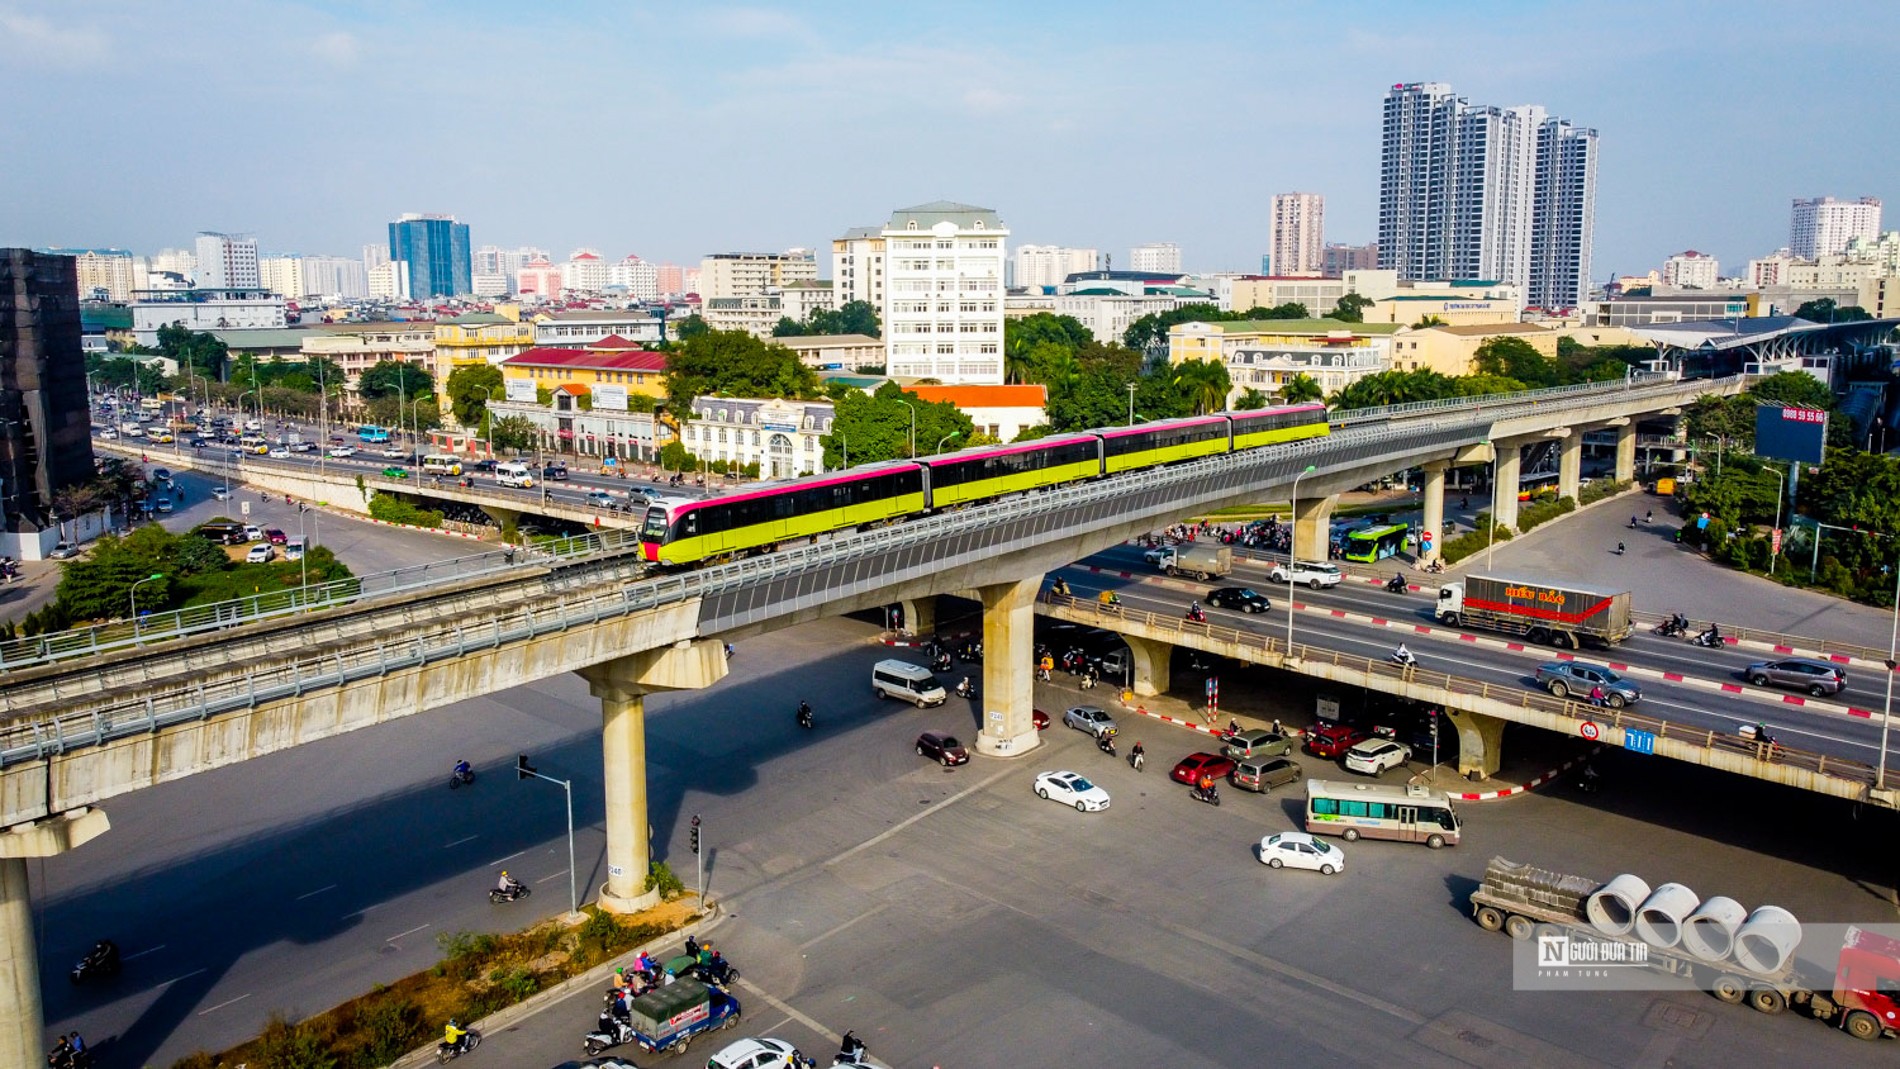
(513, 474)
(908, 682)
(1257, 743)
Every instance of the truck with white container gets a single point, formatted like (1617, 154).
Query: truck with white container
(1733, 953)
(1540, 612)
(1198, 559)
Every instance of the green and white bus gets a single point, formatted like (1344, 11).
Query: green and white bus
(1370, 545)
(1410, 814)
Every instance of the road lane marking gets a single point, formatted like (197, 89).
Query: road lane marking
(175, 979)
(822, 936)
(556, 876)
(313, 894)
(458, 842)
(510, 857)
(364, 910)
(221, 1005)
(142, 953)
(411, 931)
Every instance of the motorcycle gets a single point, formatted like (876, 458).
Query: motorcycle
(609, 1031)
(498, 896)
(941, 663)
(1588, 781)
(1211, 795)
(1196, 616)
(1137, 759)
(851, 1051)
(1105, 743)
(966, 689)
(1671, 628)
(1708, 639)
(1403, 660)
(101, 962)
(463, 776)
(805, 719)
(717, 971)
(1397, 585)
(448, 1052)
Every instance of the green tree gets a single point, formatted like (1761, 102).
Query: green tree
(1203, 385)
(1351, 308)
(874, 427)
(99, 585)
(1289, 310)
(202, 352)
(1824, 310)
(1793, 388)
(787, 327)
(149, 378)
(1249, 400)
(733, 363)
(1482, 385)
(1395, 388)
(1515, 358)
(512, 432)
(1300, 389)
(1436, 321)
(111, 372)
(1149, 334)
(690, 327)
(857, 317)
(393, 378)
(470, 388)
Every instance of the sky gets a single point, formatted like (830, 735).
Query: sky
(675, 130)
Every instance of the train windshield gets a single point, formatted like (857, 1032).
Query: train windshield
(655, 527)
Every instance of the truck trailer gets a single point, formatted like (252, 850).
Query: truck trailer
(1862, 998)
(1199, 559)
(1540, 612)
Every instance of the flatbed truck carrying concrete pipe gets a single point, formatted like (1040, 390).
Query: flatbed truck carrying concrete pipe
(1540, 612)
(1863, 999)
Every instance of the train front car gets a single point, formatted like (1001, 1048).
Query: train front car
(1272, 426)
(656, 529)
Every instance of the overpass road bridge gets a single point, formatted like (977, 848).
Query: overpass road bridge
(79, 731)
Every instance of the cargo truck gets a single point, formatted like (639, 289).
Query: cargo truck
(667, 1018)
(1862, 998)
(1540, 612)
(1198, 559)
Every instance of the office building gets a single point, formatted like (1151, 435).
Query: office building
(752, 274)
(1339, 259)
(389, 281)
(784, 438)
(538, 280)
(204, 310)
(1160, 256)
(437, 251)
(1690, 270)
(1044, 267)
(943, 300)
(584, 272)
(857, 266)
(640, 279)
(1479, 192)
(1299, 234)
(173, 262)
(671, 279)
(45, 421)
(282, 275)
(227, 262)
(104, 274)
(1822, 226)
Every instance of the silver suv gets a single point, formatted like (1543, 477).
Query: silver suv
(1308, 573)
(1818, 678)
(1576, 679)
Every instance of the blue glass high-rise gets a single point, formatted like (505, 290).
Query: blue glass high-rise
(436, 248)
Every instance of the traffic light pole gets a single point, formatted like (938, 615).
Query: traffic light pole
(699, 861)
(525, 771)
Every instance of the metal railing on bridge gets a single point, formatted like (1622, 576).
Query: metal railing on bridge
(1638, 380)
(1518, 696)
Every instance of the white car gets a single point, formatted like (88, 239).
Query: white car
(281, 453)
(1154, 555)
(753, 1054)
(1090, 719)
(1308, 573)
(1071, 788)
(1374, 756)
(341, 451)
(1298, 850)
(262, 553)
(221, 493)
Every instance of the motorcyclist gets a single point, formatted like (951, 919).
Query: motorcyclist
(1194, 611)
(804, 714)
(1137, 756)
(103, 953)
(1061, 587)
(1109, 597)
(850, 1048)
(462, 771)
(1404, 656)
(1397, 583)
(507, 885)
(1620, 547)
(1105, 743)
(453, 1034)
(965, 688)
(1710, 637)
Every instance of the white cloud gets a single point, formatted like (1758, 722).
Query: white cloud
(756, 22)
(339, 49)
(27, 38)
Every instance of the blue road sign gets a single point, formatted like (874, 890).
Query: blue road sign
(1639, 741)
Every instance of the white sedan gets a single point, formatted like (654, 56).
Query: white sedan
(1296, 849)
(280, 453)
(1071, 788)
(1374, 756)
(341, 451)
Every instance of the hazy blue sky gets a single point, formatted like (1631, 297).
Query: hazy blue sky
(674, 130)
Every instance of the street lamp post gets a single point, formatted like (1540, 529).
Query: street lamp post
(1491, 527)
(913, 425)
(947, 437)
(135, 597)
(1774, 548)
(1893, 661)
(1293, 552)
(1131, 404)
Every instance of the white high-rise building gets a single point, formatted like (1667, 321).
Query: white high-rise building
(113, 272)
(1691, 270)
(1415, 179)
(227, 262)
(857, 266)
(1822, 226)
(174, 261)
(639, 278)
(1563, 216)
(943, 300)
(584, 271)
(282, 275)
(1298, 244)
(1046, 266)
(751, 274)
(389, 280)
(1492, 191)
(1160, 257)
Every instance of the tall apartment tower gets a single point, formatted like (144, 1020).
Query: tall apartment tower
(1298, 246)
(45, 427)
(1822, 226)
(437, 251)
(943, 294)
(857, 266)
(227, 262)
(1158, 258)
(1041, 267)
(751, 274)
(1505, 194)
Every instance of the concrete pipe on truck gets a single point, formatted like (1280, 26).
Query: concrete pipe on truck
(1612, 907)
(1660, 918)
(1766, 940)
(1709, 933)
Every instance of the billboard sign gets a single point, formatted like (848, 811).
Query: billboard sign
(1790, 432)
(611, 397)
(520, 390)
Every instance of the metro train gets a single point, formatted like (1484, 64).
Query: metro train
(679, 531)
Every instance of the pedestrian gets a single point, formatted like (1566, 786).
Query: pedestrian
(1648, 515)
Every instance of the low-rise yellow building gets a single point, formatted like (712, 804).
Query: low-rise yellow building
(1456, 310)
(1265, 355)
(1449, 350)
(480, 338)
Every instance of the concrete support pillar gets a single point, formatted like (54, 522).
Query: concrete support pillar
(1152, 664)
(1509, 468)
(1480, 742)
(22, 1027)
(1009, 678)
(1434, 502)
(506, 519)
(920, 615)
(1313, 527)
(1570, 464)
(622, 686)
(1626, 452)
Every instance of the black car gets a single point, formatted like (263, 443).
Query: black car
(555, 472)
(1238, 598)
(484, 466)
(943, 748)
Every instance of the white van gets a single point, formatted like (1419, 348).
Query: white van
(513, 473)
(911, 683)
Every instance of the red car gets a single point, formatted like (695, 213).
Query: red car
(1331, 740)
(276, 537)
(1041, 718)
(1194, 765)
(943, 748)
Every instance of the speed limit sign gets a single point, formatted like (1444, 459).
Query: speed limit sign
(1589, 730)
